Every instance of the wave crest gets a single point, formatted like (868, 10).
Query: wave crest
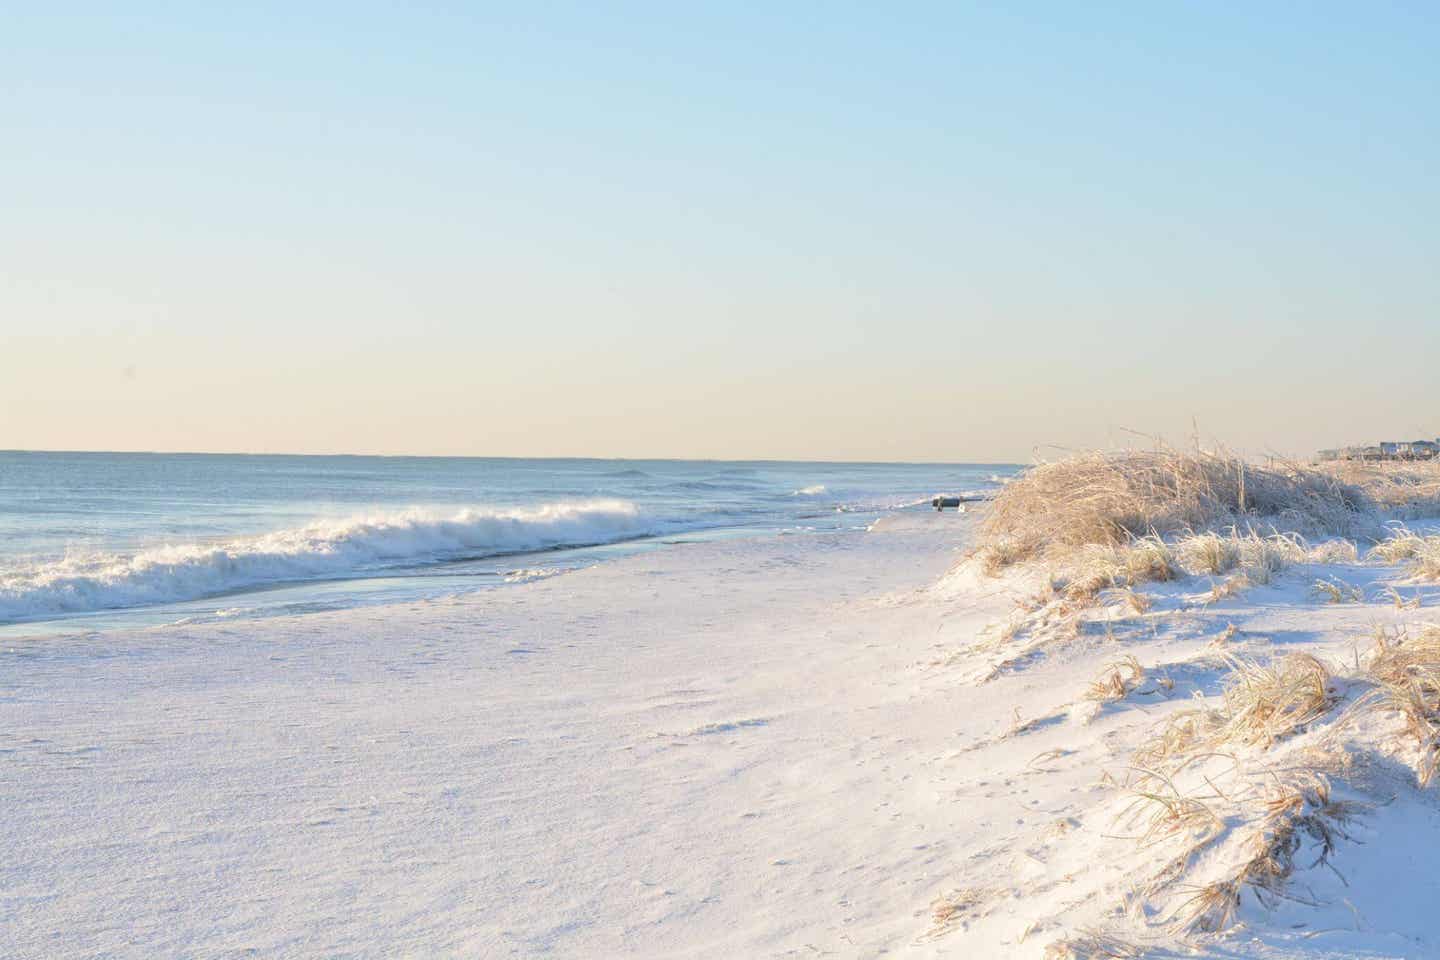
(317, 550)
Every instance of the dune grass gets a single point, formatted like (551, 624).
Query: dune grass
(1107, 521)
(1209, 553)
(1286, 806)
(1405, 669)
(1332, 590)
(1093, 945)
(1116, 681)
(1272, 812)
(1169, 811)
(1297, 809)
(1265, 703)
(1099, 526)
(951, 910)
(1112, 499)
(1405, 490)
(1420, 553)
(1261, 704)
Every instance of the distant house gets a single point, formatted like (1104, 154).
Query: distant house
(1409, 450)
(1386, 450)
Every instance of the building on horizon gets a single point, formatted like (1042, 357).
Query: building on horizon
(1386, 450)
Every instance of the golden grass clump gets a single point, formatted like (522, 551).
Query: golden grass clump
(1296, 821)
(1262, 704)
(1337, 591)
(1090, 570)
(1112, 498)
(1402, 546)
(1406, 671)
(1116, 681)
(951, 910)
(1001, 552)
(1409, 490)
(1427, 560)
(1183, 734)
(1093, 945)
(1401, 601)
(1335, 551)
(1138, 603)
(1266, 703)
(1172, 812)
(1296, 810)
(1093, 568)
(1229, 587)
(1209, 553)
(1148, 558)
(1300, 808)
(1211, 909)
(1263, 557)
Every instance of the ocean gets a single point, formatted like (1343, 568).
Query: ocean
(99, 541)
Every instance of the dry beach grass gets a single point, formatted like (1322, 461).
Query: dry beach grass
(1253, 784)
(1406, 489)
(1114, 498)
(1106, 520)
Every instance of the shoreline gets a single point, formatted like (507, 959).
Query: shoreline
(123, 541)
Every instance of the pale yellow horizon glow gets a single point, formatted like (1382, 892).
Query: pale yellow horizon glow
(115, 392)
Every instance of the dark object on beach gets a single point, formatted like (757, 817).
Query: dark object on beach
(940, 503)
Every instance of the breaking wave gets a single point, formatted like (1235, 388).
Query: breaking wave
(323, 549)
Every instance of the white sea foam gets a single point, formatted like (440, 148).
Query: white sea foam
(814, 491)
(526, 574)
(317, 550)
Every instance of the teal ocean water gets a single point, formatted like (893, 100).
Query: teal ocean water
(93, 541)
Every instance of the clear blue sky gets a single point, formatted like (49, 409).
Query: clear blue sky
(796, 230)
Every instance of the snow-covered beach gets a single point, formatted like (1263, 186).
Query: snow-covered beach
(720, 481)
(722, 749)
(754, 747)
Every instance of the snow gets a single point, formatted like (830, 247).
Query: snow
(767, 747)
(707, 749)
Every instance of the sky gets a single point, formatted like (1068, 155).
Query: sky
(948, 231)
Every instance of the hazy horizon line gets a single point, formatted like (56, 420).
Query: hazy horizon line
(476, 456)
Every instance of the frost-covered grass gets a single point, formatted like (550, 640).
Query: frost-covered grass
(1262, 703)
(1405, 490)
(1298, 811)
(1101, 528)
(1263, 786)
(1116, 498)
(1116, 681)
(1253, 785)
(1420, 552)
(1093, 945)
(1102, 521)
(1267, 803)
(1405, 669)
